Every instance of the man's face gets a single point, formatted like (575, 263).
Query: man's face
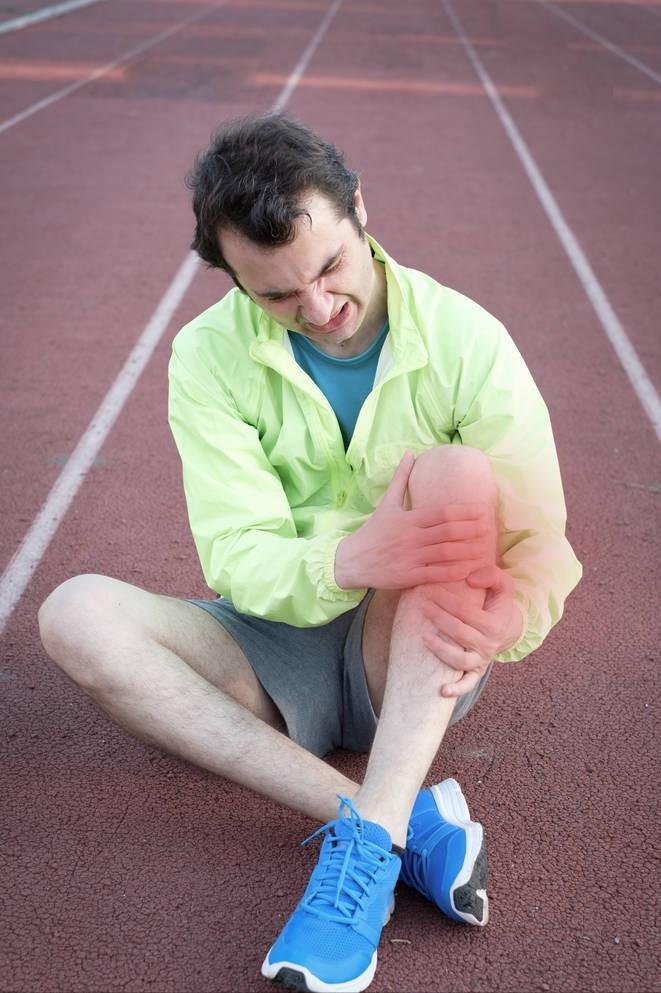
(323, 284)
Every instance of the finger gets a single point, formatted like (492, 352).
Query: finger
(449, 626)
(451, 551)
(453, 531)
(449, 651)
(467, 683)
(453, 572)
(445, 650)
(442, 603)
(488, 576)
(426, 517)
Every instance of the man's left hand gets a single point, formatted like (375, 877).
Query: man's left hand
(476, 634)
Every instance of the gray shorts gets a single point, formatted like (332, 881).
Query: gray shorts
(315, 676)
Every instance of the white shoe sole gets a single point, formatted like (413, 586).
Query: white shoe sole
(297, 977)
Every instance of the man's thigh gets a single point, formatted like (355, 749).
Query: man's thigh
(91, 624)
(207, 647)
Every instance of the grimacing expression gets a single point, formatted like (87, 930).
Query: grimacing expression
(322, 284)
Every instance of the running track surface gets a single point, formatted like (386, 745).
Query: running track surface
(126, 869)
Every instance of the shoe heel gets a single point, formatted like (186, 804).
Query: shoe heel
(451, 802)
(470, 901)
(468, 893)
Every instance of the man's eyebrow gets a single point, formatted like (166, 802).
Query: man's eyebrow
(286, 293)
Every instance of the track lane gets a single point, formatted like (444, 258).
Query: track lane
(83, 73)
(599, 152)
(36, 16)
(35, 543)
(611, 325)
(78, 295)
(611, 28)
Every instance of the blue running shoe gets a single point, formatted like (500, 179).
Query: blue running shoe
(329, 943)
(446, 856)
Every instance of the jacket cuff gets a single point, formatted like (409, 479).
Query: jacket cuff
(524, 646)
(328, 588)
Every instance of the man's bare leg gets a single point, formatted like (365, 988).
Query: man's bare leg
(167, 672)
(414, 715)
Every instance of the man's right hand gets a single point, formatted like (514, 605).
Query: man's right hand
(396, 549)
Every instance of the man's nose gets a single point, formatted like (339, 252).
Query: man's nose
(316, 306)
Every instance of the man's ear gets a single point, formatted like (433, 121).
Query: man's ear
(359, 205)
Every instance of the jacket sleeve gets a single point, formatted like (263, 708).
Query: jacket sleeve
(241, 521)
(503, 413)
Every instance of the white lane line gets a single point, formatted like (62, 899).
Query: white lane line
(615, 49)
(132, 52)
(44, 14)
(295, 77)
(642, 384)
(28, 555)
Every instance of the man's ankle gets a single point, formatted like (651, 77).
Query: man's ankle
(391, 820)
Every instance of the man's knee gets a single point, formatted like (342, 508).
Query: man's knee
(457, 460)
(73, 622)
(455, 474)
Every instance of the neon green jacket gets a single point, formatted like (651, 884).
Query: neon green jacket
(271, 492)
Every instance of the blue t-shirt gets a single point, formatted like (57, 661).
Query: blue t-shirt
(344, 382)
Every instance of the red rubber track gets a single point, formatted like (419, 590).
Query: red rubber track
(123, 868)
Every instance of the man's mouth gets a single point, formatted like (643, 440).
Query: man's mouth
(335, 322)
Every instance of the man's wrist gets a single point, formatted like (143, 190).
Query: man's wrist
(515, 630)
(345, 576)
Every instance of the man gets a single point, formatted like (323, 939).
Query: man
(362, 598)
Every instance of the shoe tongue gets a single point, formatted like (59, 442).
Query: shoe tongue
(371, 832)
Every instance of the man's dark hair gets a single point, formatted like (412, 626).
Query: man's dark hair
(253, 179)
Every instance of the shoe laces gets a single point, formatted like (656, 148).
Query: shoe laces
(346, 869)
